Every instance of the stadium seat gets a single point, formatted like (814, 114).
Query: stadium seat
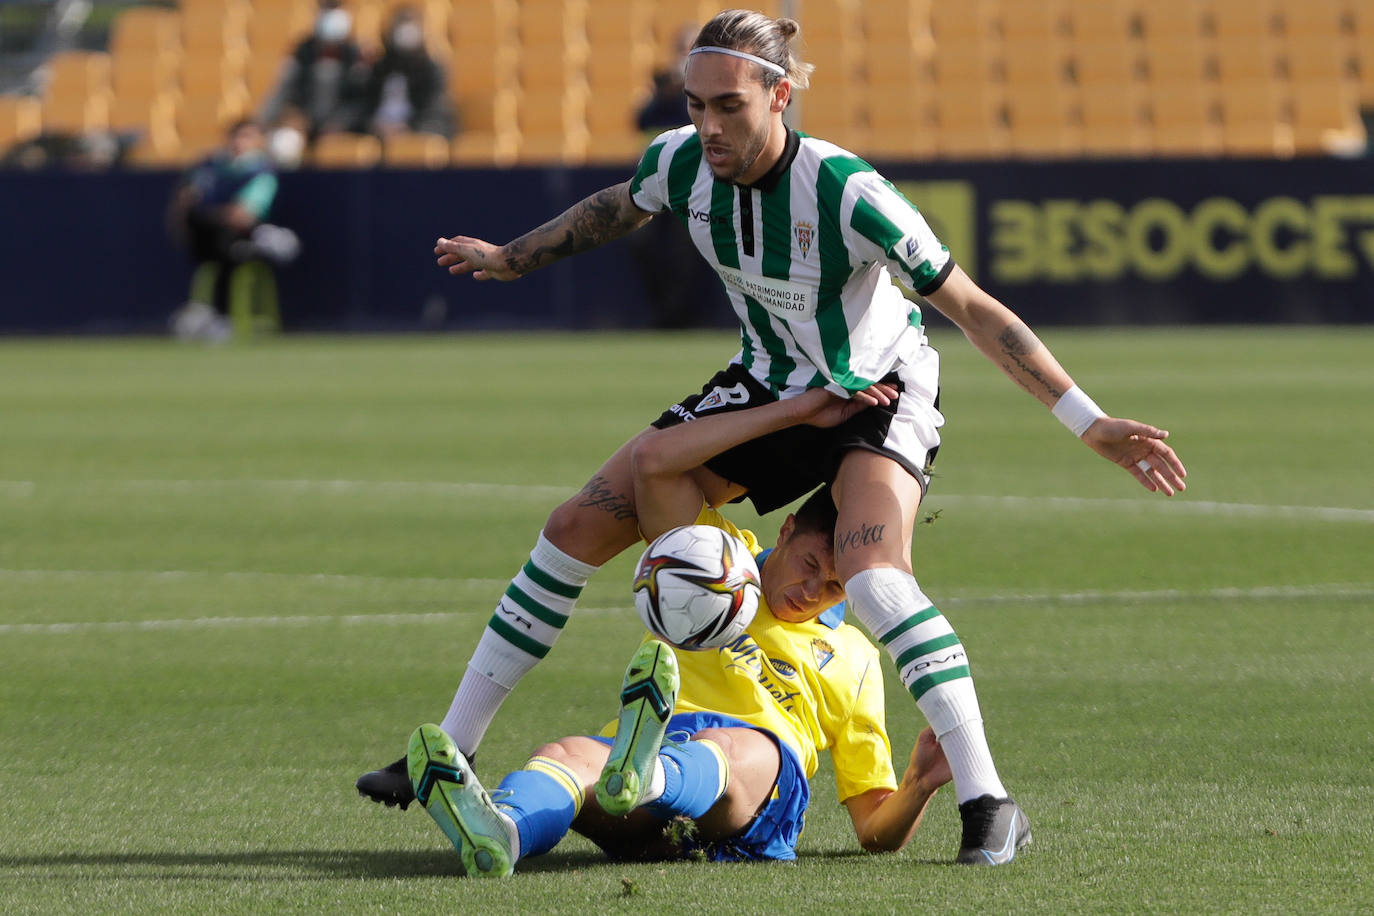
(1040, 123)
(21, 119)
(1163, 19)
(1092, 22)
(1240, 20)
(1114, 120)
(960, 22)
(622, 147)
(1247, 60)
(77, 97)
(1252, 119)
(1326, 119)
(429, 151)
(1183, 119)
(346, 151)
(1180, 58)
(970, 122)
(145, 31)
(1043, 21)
(1106, 62)
(484, 149)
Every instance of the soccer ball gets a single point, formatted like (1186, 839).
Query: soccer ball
(697, 587)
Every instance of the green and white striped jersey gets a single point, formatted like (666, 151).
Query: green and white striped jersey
(807, 255)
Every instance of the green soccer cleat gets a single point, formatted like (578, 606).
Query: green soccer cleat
(646, 701)
(446, 785)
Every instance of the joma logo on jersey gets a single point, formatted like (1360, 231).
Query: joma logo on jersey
(806, 233)
(700, 216)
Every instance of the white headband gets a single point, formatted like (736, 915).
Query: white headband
(765, 64)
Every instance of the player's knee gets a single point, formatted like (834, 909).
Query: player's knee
(648, 457)
(555, 750)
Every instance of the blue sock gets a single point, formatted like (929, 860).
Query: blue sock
(544, 799)
(694, 777)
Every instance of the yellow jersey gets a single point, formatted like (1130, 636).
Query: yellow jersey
(816, 686)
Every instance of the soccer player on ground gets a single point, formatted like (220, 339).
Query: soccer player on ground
(806, 238)
(745, 723)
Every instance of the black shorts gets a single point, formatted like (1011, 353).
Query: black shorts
(784, 466)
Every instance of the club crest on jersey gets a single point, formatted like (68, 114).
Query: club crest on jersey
(719, 397)
(824, 652)
(806, 233)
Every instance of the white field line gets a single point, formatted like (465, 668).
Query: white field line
(172, 575)
(544, 492)
(1159, 505)
(1362, 591)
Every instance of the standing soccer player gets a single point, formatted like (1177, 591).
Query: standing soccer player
(806, 238)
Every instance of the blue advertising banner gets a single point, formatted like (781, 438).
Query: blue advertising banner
(1138, 242)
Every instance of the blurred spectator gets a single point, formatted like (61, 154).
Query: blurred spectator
(682, 289)
(218, 211)
(89, 152)
(406, 90)
(321, 88)
(667, 106)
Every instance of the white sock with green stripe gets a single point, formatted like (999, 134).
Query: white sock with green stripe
(933, 667)
(523, 629)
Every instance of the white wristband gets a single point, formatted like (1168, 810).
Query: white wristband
(1077, 411)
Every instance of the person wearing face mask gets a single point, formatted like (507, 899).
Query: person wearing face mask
(322, 84)
(406, 90)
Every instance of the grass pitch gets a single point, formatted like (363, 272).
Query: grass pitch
(233, 579)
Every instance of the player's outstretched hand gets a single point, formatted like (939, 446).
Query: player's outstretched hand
(818, 407)
(928, 761)
(463, 255)
(1140, 449)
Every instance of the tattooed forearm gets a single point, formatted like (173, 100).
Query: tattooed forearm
(858, 537)
(1016, 343)
(598, 494)
(583, 226)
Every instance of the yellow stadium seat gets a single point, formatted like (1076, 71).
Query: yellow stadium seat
(1106, 62)
(1040, 122)
(1180, 59)
(967, 20)
(616, 147)
(1244, 19)
(429, 151)
(958, 63)
(1182, 120)
(77, 97)
(140, 76)
(21, 119)
(484, 148)
(833, 106)
(1043, 20)
(970, 122)
(1113, 121)
(1246, 60)
(1163, 20)
(1092, 21)
(552, 149)
(346, 151)
(145, 31)
(155, 112)
(1310, 59)
(1326, 119)
(1029, 61)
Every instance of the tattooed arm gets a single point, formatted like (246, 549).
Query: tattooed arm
(1004, 338)
(603, 217)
